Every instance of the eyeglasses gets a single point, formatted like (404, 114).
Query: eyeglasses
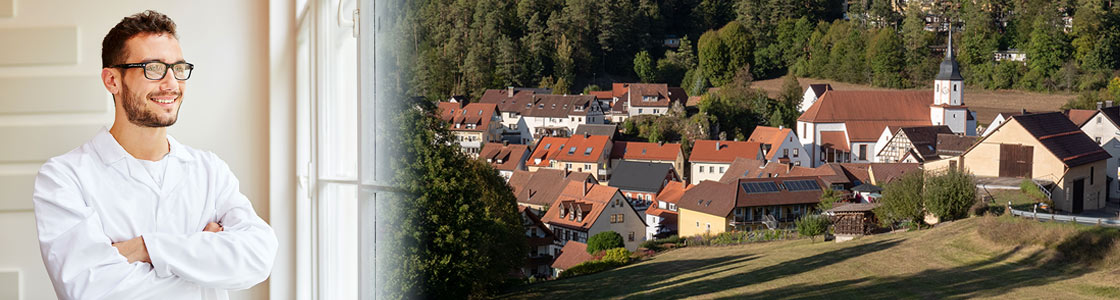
(156, 70)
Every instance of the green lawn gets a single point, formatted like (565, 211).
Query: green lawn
(949, 261)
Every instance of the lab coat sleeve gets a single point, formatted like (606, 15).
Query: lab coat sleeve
(79, 256)
(237, 258)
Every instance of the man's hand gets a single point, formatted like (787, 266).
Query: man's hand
(213, 227)
(134, 250)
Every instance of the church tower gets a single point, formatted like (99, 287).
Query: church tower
(948, 106)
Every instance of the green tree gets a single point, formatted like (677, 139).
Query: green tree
(1047, 51)
(643, 66)
(785, 109)
(603, 241)
(949, 195)
(811, 226)
(458, 233)
(886, 59)
(902, 200)
(828, 198)
(920, 65)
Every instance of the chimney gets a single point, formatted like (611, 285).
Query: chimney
(661, 143)
(1099, 104)
(1024, 111)
(586, 135)
(717, 145)
(505, 143)
(509, 91)
(780, 127)
(1108, 103)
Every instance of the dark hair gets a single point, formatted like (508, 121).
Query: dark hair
(147, 22)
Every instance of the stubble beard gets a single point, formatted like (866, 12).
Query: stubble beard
(134, 109)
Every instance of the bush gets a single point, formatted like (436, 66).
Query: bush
(738, 237)
(589, 267)
(603, 241)
(949, 195)
(902, 200)
(617, 255)
(812, 226)
(659, 244)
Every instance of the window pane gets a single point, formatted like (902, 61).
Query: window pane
(338, 109)
(338, 241)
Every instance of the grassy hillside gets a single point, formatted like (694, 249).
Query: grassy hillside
(986, 103)
(955, 260)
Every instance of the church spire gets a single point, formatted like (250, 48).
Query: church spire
(949, 70)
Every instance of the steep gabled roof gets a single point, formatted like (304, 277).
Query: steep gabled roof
(543, 186)
(1062, 138)
(952, 144)
(742, 167)
(1080, 116)
(670, 194)
(770, 135)
(478, 115)
(571, 255)
(576, 148)
(581, 203)
(723, 151)
(503, 157)
(884, 173)
(640, 176)
(663, 94)
(710, 197)
(645, 151)
(923, 139)
(546, 151)
(891, 108)
(505, 103)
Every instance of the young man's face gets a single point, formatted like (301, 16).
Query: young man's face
(146, 102)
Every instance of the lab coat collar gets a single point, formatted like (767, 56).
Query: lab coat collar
(111, 151)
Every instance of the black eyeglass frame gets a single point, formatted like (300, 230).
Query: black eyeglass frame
(167, 66)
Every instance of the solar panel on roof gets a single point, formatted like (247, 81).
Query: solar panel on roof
(759, 187)
(801, 185)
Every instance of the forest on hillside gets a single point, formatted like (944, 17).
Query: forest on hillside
(464, 47)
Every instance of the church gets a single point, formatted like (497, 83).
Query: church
(851, 126)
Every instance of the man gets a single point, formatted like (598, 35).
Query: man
(133, 214)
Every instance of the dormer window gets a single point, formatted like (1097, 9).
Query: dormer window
(649, 98)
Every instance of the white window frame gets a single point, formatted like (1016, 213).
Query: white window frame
(334, 232)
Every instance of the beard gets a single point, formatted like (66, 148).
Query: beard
(134, 109)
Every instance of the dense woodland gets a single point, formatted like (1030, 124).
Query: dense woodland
(464, 47)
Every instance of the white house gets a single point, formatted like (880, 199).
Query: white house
(710, 159)
(780, 145)
(1104, 128)
(848, 126)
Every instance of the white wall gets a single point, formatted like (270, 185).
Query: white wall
(715, 175)
(1099, 127)
(52, 51)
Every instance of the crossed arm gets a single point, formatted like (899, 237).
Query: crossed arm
(134, 249)
(83, 263)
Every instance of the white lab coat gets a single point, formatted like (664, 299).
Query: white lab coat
(98, 194)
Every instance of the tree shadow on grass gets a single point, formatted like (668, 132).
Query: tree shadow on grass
(988, 278)
(624, 281)
(789, 268)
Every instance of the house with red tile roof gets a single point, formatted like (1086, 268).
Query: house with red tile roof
(662, 215)
(846, 126)
(584, 208)
(669, 153)
(581, 153)
(632, 99)
(534, 115)
(1047, 148)
(510, 102)
(472, 124)
(710, 159)
(573, 253)
(538, 189)
(780, 145)
(747, 204)
(543, 244)
(505, 157)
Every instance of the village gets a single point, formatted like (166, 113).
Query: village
(576, 175)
